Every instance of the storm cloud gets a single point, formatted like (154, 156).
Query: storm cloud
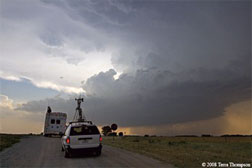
(154, 97)
(176, 61)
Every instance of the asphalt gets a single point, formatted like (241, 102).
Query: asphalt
(39, 151)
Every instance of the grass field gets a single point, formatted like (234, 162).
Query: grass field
(6, 140)
(188, 151)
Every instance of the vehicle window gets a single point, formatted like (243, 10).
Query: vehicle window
(57, 121)
(84, 130)
(67, 130)
(52, 121)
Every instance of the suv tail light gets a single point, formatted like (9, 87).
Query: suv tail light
(68, 140)
(100, 138)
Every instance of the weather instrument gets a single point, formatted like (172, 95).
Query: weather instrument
(79, 110)
(114, 127)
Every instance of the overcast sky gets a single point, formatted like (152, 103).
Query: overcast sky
(141, 64)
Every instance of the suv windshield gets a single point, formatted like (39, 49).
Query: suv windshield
(84, 130)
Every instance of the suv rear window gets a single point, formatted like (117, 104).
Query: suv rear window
(84, 130)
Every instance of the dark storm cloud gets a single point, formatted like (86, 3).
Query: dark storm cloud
(180, 61)
(154, 97)
(173, 36)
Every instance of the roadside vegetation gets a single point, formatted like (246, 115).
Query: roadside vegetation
(188, 152)
(6, 140)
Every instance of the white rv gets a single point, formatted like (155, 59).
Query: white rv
(55, 123)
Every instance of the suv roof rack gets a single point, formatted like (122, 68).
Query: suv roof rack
(81, 121)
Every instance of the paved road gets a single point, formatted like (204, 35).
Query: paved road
(46, 152)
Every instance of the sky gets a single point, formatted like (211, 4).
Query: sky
(153, 67)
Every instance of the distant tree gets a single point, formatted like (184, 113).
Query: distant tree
(120, 134)
(106, 130)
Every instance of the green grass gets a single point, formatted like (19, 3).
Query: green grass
(6, 140)
(188, 152)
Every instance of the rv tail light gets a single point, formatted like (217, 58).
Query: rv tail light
(68, 140)
(100, 138)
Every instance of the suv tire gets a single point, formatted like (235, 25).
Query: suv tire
(67, 154)
(98, 152)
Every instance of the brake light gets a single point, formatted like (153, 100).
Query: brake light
(68, 140)
(100, 138)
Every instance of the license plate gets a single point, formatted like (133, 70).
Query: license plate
(84, 141)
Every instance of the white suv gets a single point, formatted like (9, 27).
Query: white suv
(81, 137)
